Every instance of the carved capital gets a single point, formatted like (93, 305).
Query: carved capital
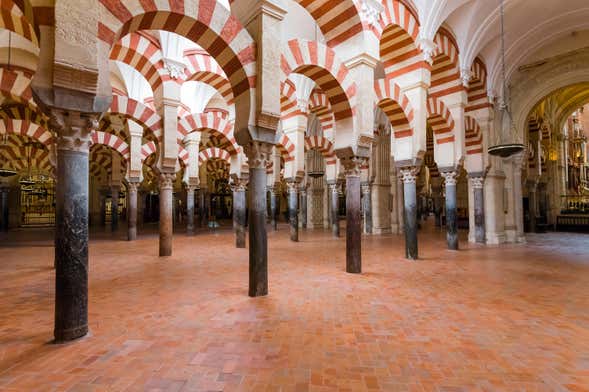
(353, 165)
(477, 182)
(73, 129)
(409, 174)
(365, 187)
(259, 154)
(450, 177)
(132, 186)
(239, 184)
(166, 181)
(292, 186)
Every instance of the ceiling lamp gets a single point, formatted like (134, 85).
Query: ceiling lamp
(507, 144)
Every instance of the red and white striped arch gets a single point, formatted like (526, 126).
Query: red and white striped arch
(286, 148)
(13, 19)
(139, 113)
(25, 113)
(213, 153)
(28, 129)
(112, 141)
(320, 63)
(441, 121)
(398, 42)
(17, 155)
(428, 158)
(477, 86)
(396, 106)
(148, 149)
(206, 22)
(473, 136)
(16, 86)
(289, 107)
(203, 68)
(324, 146)
(143, 55)
(320, 106)
(445, 74)
(215, 122)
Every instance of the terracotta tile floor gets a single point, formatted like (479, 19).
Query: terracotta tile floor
(482, 319)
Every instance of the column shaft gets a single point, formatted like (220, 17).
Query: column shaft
(166, 225)
(190, 210)
(303, 208)
(132, 211)
(273, 209)
(353, 225)
(367, 208)
(4, 209)
(239, 215)
(410, 211)
(293, 213)
(479, 214)
(334, 210)
(258, 238)
(114, 210)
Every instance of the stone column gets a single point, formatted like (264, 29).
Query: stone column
(239, 211)
(409, 175)
(166, 225)
(4, 208)
(367, 207)
(451, 214)
(274, 208)
(190, 189)
(258, 154)
(353, 214)
(532, 203)
(477, 182)
(293, 213)
(334, 207)
(303, 206)
(103, 208)
(518, 161)
(71, 223)
(132, 210)
(114, 209)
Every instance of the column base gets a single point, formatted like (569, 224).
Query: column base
(67, 335)
(380, 231)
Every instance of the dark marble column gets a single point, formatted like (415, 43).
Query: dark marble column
(114, 210)
(303, 206)
(451, 213)
(4, 208)
(166, 224)
(409, 175)
(334, 207)
(532, 203)
(190, 189)
(353, 214)
(103, 208)
(132, 210)
(71, 224)
(239, 211)
(293, 210)
(437, 199)
(259, 155)
(274, 208)
(367, 207)
(479, 208)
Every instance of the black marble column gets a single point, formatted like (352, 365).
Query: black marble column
(71, 226)
(239, 212)
(274, 211)
(4, 209)
(451, 213)
(132, 210)
(367, 208)
(258, 154)
(334, 207)
(353, 219)
(410, 211)
(114, 210)
(303, 206)
(190, 209)
(166, 224)
(293, 210)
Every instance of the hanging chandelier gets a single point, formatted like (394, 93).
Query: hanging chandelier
(507, 144)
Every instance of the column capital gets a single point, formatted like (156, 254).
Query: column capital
(365, 186)
(450, 177)
(190, 188)
(292, 185)
(259, 154)
(239, 184)
(133, 186)
(73, 129)
(477, 181)
(409, 174)
(353, 165)
(166, 180)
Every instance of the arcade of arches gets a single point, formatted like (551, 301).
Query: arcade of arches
(160, 160)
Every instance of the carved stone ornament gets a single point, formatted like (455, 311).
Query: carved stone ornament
(428, 47)
(132, 187)
(239, 184)
(258, 154)
(167, 180)
(370, 11)
(409, 174)
(477, 182)
(292, 186)
(353, 165)
(175, 68)
(73, 129)
(450, 177)
(365, 186)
